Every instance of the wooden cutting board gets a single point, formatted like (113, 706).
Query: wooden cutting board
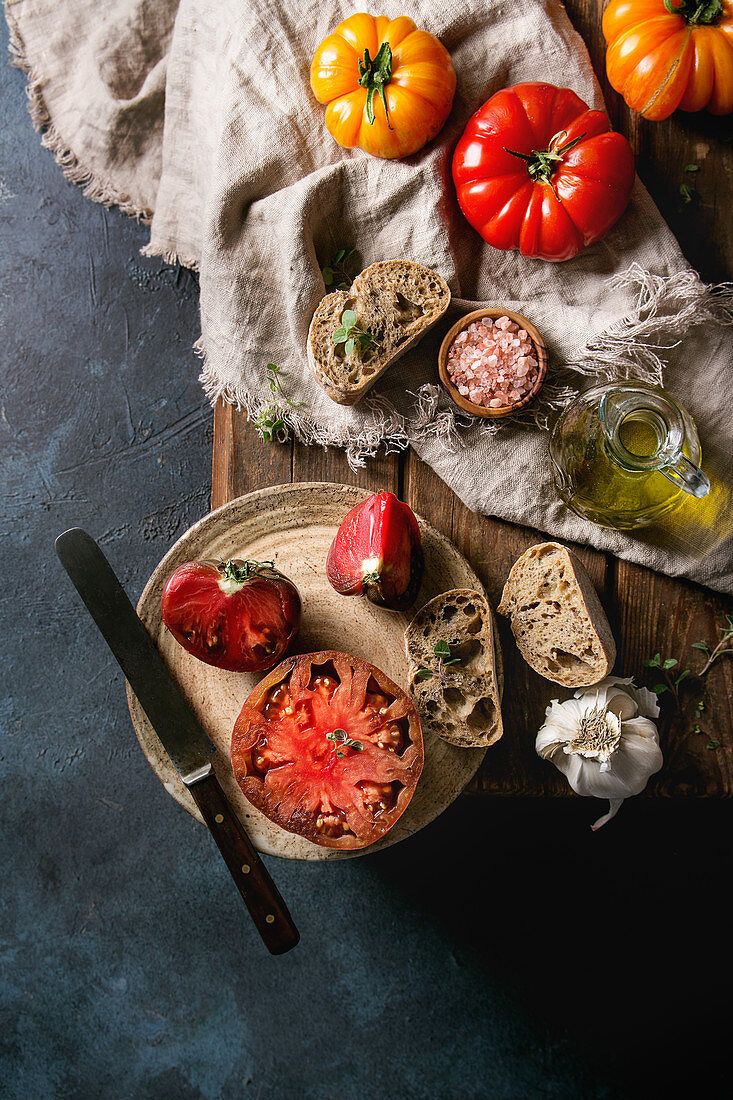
(649, 613)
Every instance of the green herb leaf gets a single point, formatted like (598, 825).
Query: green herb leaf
(339, 735)
(659, 688)
(713, 745)
(441, 649)
(339, 256)
(692, 168)
(653, 662)
(670, 662)
(682, 676)
(701, 645)
(327, 273)
(339, 754)
(349, 318)
(349, 345)
(356, 746)
(424, 674)
(687, 193)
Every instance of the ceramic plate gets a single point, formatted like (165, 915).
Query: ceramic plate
(293, 526)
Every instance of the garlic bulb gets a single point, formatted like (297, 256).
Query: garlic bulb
(603, 741)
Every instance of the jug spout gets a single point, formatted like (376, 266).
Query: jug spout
(688, 476)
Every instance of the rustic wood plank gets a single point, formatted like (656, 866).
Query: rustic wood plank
(329, 464)
(660, 615)
(648, 612)
(241, 461)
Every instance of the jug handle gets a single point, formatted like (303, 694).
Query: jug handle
(688, 476)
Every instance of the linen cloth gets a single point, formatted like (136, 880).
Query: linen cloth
(198, 116)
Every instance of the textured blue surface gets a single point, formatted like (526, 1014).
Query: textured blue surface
(505, 952)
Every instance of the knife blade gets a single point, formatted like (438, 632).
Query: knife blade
(180, 732)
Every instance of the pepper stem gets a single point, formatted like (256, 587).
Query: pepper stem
(374, 74)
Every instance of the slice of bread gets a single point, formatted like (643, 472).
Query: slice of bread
(397, 301)
(557, 620)
(460, 702)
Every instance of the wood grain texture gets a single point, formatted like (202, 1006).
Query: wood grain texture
(649, 613)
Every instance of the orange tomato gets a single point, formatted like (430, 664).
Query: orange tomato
(664, 54)
(388, 87)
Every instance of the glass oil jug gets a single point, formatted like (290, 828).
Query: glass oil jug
(625, 453)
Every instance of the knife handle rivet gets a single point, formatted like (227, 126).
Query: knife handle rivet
(269, 919)
(219, 818)
(246, 868)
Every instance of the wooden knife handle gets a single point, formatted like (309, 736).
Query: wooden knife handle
(267, 908)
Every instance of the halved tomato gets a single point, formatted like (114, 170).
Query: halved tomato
(328, 747)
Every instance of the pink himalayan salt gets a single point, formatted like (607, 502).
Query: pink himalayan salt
(492, 363)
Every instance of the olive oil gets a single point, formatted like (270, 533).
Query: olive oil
(622, 453)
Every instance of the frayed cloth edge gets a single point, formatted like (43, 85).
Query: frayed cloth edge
(74, 171)
(628, 349)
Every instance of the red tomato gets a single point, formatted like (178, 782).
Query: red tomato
(377, 553)
(237, 615)
(537, 170)
(327, 747)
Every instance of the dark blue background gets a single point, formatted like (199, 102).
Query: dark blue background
(504, 952)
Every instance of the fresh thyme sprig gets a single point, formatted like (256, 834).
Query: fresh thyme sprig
(349, 334)
(340, 737)
(336, 274)
(441, 649)
(269, 422)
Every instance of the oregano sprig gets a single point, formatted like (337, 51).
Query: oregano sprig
(442, 651)
(672, 679)
(340, 737)
(720, 649)
(336, 274)
(269, 421)
(349, 334)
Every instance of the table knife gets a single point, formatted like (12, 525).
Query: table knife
(177, 727)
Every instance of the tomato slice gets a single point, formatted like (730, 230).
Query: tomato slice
(328, 747)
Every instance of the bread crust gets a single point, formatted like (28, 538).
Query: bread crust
(556, 617)
(398, 301)
(463, 705)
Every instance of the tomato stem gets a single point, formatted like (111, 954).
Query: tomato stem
(541, 163)
(374, 74)
(235, 573)
(696, 13)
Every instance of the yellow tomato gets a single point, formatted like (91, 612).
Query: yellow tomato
(388, 87)
(664, 54)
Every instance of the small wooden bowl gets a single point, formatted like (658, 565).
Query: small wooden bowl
(540, 350)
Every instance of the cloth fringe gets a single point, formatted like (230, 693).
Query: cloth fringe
(175, 259)
(92, 187)
(665, 310)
